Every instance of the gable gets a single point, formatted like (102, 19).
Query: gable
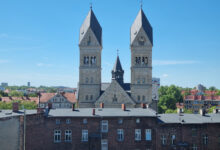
(89, 38)
(141, 36)
(115, 94)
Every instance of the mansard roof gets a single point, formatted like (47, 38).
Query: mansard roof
(141, 21)
(117, 66)
(92, 23)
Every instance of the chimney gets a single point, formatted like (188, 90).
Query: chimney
(202, 112)
(93, 111)
(101, 105)
(73, 107)
(49, 105)
(15, 107)
(143, 105)
(215, 111)
(40, 110)
(123, 107)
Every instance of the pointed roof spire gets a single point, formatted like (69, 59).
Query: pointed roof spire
(141, 21)
(117, 67)
(92, 23)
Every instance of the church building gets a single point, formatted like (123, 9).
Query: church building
(91, 91)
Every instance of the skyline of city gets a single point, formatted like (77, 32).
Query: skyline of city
(185, 51)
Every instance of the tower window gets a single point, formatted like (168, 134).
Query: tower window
(143, 98)
(137, 60)
(91, 60)
(87, 80)
(91, 81)
(146, 60)
(86, 60)
(143, 80)
(87, 97)
(91, 97)
(139, 98)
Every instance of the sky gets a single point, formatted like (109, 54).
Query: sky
(39, 40)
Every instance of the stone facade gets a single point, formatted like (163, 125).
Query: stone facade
(90, 93)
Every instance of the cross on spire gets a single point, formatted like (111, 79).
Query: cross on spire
(117, 52)
(90, 5)
(141, 3)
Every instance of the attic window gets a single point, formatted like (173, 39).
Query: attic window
(135, 32)
(114, 99)
(82, 32)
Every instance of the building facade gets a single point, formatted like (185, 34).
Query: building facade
(91, 91)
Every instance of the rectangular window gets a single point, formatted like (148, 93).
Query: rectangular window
(205, 139)
(120, 134)
(57, 121)
(68, 136)
(68, 121)
(163, 140)
(57, 136)
(148, 134)
(84, 135)
(173, 138)
(194, 132)
(104, 125)
(194, 147)
(104, 144)
(137, 134)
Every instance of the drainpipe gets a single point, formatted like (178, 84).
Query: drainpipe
(24, 127)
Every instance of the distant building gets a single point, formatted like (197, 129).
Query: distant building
(29, 84)
(200, 88)
(155, 88)
(57, 100)
(4, 84)
(2, 88)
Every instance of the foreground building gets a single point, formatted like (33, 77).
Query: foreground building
(108, 129)
(90, 91)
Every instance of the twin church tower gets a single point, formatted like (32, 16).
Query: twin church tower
(91, 91)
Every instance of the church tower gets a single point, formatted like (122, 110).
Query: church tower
(141, 43)
(90, 45)
(118, 72)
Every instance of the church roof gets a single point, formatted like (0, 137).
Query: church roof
(92, 23)
(141, 21)
(117, 66)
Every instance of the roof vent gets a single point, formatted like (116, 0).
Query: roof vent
(123, 107)
(93, 111)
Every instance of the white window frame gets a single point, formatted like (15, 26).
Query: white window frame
(68, 121)
(173, 138)
(138, 120)
(85, 135)
(58, 121)
(205, 139)
(194, 147)
(148, 134)
(163, 140)
(104, 144)
(68, 136)
(120, 134)
(85, 121)
(137, 134)
(104, 126)
(57, 136)
(120, 121)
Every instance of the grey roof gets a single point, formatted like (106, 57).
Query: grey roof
(117, 66)
(125, 86)
(92, 23)
(9, 113)
(189, 118)
(105, 112)
(141, 21)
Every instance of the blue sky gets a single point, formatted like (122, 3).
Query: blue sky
(39, 40)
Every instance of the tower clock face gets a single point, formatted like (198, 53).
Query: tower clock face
(141, 40)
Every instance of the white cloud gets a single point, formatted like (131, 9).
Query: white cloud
(3, 35)
(44, 65)
(173, 62)
(165, 75)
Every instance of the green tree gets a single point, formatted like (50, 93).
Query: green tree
(188, 111)
(212, 88)
(169, 96)
(210, 110)
(15, 94)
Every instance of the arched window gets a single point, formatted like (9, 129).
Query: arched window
(139, 97)
(91, 81)
(143, 98)
(87, 80)
(91, 97)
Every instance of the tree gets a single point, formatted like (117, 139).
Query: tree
(26, 104)
(212, 88)
(210, 110)
(15, 94)
(169, 96)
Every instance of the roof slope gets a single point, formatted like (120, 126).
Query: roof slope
(141, 21)
(92, 23)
